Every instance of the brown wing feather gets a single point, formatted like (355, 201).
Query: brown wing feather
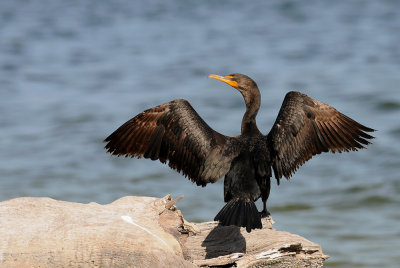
(174, 132)
(306, 127)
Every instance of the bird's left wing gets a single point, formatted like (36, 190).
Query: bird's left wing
(306, 127)
(174, 132)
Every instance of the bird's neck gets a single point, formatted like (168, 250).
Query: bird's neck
(249, 125)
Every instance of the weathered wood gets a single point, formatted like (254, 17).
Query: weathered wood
(217, 246)
(137, 232)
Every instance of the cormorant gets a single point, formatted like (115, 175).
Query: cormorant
(173, 132)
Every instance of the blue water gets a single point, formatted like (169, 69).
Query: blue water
(71, 72)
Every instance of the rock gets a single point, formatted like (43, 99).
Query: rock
(137, 232)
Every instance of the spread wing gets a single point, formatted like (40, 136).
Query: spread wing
(174, 132)
(306, 127)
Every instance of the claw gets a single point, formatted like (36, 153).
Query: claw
(264, 213)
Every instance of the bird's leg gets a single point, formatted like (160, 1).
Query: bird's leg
(264, 196)
(264, 213)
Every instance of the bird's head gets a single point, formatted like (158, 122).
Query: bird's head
(241, 82)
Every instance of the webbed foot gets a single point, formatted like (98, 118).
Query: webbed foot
(264, 213)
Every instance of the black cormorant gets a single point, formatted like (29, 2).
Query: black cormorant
(173, 132)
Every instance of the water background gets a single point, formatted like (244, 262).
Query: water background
(71, 72)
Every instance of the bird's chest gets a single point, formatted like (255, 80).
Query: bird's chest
(242, 167)
(246, 163)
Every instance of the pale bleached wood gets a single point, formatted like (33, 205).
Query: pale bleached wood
(137, 232)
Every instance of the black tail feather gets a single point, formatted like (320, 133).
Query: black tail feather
(240, 213)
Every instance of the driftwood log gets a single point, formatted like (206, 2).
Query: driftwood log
(138, 232)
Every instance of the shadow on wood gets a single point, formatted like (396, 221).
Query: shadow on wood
(220, 236)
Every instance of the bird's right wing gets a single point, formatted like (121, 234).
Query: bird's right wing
(306, 127)
(174, 132)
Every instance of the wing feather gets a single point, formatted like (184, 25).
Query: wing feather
(306, 127)
(174, 132)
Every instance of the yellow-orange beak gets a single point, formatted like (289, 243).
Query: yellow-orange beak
(227, 79)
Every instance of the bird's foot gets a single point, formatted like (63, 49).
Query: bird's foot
(264, 213)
